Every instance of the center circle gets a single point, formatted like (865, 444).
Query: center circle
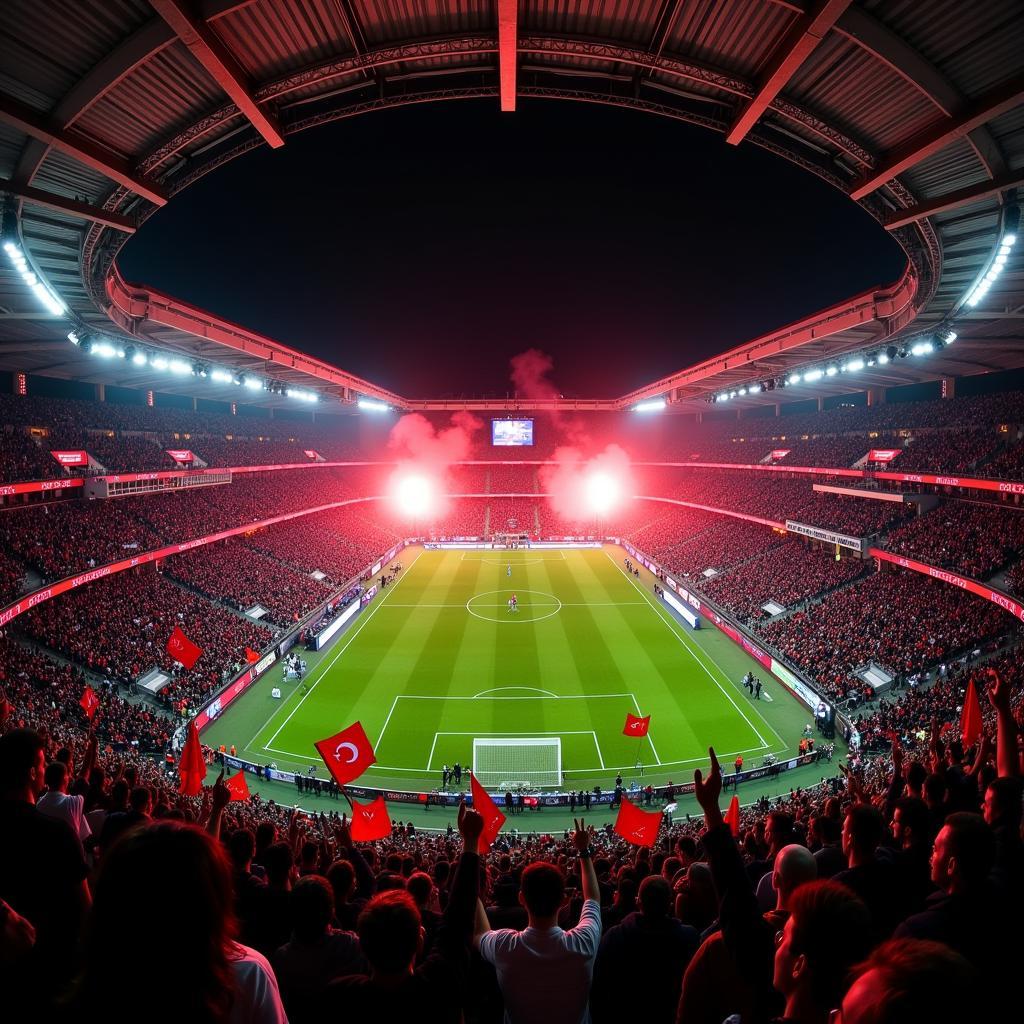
(492, 606)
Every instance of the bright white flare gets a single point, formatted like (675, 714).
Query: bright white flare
(414, 496)
(602, 493)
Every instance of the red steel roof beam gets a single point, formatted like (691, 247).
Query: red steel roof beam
(218, 62)
(72, 207)
(508, 38)
(799, 43)
(74, 144)
(954, 200)
(980, 111)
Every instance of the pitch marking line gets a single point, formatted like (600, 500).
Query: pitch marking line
(514, 735)
(575, 771)
(498, 689)
(534, 604)
(355, 633)
(671, 626)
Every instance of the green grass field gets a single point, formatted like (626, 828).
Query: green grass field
(438, 660)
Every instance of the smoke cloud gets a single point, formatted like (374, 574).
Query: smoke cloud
(531, 378)
(567, 480)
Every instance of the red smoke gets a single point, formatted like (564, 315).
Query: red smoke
(428, 452)
(566, 481)
(531, 379)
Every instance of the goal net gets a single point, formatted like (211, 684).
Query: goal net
(518, 763)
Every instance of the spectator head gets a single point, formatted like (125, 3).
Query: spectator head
(826, 933)
(277, 859)
(916, 776)
(669, 867)
(686, 850)
(656, 897)
(342, 877)
(166, 888)
(391, 933)
(1003, 802)
(266, 833)
(312, 906)
(420, 885)
(825, 830)
(911, 979)
(241, 847)
(910, 822)
(56, 777)
(964, 853)
(935, 790)
(778, 830)
(862, 832)
(794, 866)
(22, 765)
(696, 897)
(542, 890)
(141, 800)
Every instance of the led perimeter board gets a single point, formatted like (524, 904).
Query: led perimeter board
(511, 433)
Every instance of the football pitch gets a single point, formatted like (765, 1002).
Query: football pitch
(439, 660)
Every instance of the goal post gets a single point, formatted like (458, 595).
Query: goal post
(516, 763)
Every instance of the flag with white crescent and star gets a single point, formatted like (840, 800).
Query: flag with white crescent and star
(493, 818)
(635, 725)
(347, 754)
(635, 826)
(370, 821)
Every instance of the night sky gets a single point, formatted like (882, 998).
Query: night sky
(424, 247)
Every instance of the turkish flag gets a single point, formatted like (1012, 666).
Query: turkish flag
(732, 816)
(370, 821)
(493, 818)
(970, 717)
(347, 754)
(637, 827)
(192, 768)
(181, 649)
(251, 656)
(90, 702)
(238, 786)
(636, 726)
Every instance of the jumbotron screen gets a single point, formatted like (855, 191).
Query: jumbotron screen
(508, 433)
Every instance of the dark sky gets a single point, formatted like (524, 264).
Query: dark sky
(424, 247)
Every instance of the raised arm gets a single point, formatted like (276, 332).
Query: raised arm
(1007, 759)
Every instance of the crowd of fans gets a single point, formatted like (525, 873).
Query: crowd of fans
(902, 620)
(890, 895)
(242, 578)
(787, 575)
(970, 538)
(118, 628)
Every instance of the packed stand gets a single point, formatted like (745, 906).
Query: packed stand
(725, 543)
(973, 539)
(947, 451)
(788, 575)
(242, 578)
(513, 480)
(118, 628)
(903, 620)
(512, 515)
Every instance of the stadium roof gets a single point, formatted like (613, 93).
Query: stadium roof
(916, 110)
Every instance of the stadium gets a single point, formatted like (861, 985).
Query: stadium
(514, 559)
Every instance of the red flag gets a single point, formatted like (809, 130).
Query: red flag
(181, 649)
(493, 818)
(636, 726)
(192, 768)
(732, 816)
(251, 656)
(637, 827)
(347, 754)
(970, 717)
(89, 702)
(370, 821)
(238, 786)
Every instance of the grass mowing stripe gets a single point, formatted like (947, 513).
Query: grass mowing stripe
(326, 665)
(671, 624)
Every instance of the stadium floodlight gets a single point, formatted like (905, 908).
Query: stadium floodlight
(43, 292)
(794, 378)
(602, 493)
(74, 337)
(179, 366)
(369, 405)
(105, 350)
(831, 370)
(159, 363)
(854, 365)
(813, 375)
(654, 405)
(754, 389)
(947, 337)
(221, 376)
(981, 286)
(253, 383)
(741, 392)
(302, 396)
(414, 495)
(921, 348)
(139, 358)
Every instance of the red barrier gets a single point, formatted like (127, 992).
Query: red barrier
(34, 486)
(954, 579)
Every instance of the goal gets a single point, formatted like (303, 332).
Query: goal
(518, 763)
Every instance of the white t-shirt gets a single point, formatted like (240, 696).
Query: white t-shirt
(66, 808)
(258, 999)
(545, 973)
